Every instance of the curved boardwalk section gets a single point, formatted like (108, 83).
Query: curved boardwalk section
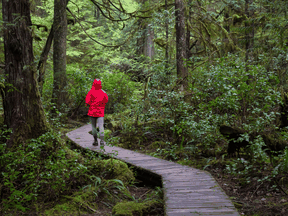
(187, 191)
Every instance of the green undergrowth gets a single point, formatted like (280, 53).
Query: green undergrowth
(48, 175)
(133, 208)
(185, 126)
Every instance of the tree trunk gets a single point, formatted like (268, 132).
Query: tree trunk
(145, 43)
(167, 33)
(23, 110)
(249, 33)
(181, 43)
(168, 73)
(43, 59)
(59, 54)
(149, 49)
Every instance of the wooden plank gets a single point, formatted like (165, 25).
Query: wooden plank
(189, 184)
(187, 177)
(203, 199)
(193, 193)
(156, 167)
(187, 191)
(194, 212)
(212, 206)
(198, 202)
(190, 187)
(163, 172)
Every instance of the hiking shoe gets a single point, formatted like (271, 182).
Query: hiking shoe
(102, 140)
(95, 143)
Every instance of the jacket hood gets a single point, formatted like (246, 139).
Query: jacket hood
(97, 84)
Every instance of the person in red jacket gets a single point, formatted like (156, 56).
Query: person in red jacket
(97, 100)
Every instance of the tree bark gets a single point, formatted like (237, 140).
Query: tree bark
(23, 110)
(59, 54)
(44, 56)
(188, 33)
(149, 49)
(168, 73)
(145, 42)
(181, 43)
(167, 33)
(249, 33)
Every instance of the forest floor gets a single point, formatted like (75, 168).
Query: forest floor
(250, 199)
(253, 199)
(141, 191)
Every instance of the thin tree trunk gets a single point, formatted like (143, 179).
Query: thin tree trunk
(149, 49)
(249, 33)
(145, 43)
(168, 73)
(188, 33)
(167, 34)
(43, 60)
(59, 54)
(181, 43)
(23, 110)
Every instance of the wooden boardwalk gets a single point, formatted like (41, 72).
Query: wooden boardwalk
(187, 191)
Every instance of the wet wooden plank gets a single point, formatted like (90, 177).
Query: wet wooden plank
(187, 191)
(194, 212)
(207, 210)
(192, 200)
(169, 171)
(187, 176)
(193, 192)
(189, 184)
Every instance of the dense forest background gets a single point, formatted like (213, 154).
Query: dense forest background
(202, 83)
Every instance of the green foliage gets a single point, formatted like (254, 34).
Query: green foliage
(29, 176)
(120, 90)
(44, 169)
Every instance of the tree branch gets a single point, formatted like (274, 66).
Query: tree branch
(95, 3)
(115, 46)
(193, 44)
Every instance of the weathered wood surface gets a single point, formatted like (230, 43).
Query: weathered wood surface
(187, 191)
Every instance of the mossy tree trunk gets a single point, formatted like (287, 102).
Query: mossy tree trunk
(181, 43)
(44, 56)
(145, 43)
(59, 54)
(23, 110)
(43, 60)
(168, 73)
(249, 32)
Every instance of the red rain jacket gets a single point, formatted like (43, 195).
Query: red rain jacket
(97, 99)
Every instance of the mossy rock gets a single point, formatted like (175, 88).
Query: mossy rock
(116, 169)
(72, 203)
(132, 208)
(157, 144)
(237, 205)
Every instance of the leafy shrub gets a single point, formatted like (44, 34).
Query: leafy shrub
(119, 89)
